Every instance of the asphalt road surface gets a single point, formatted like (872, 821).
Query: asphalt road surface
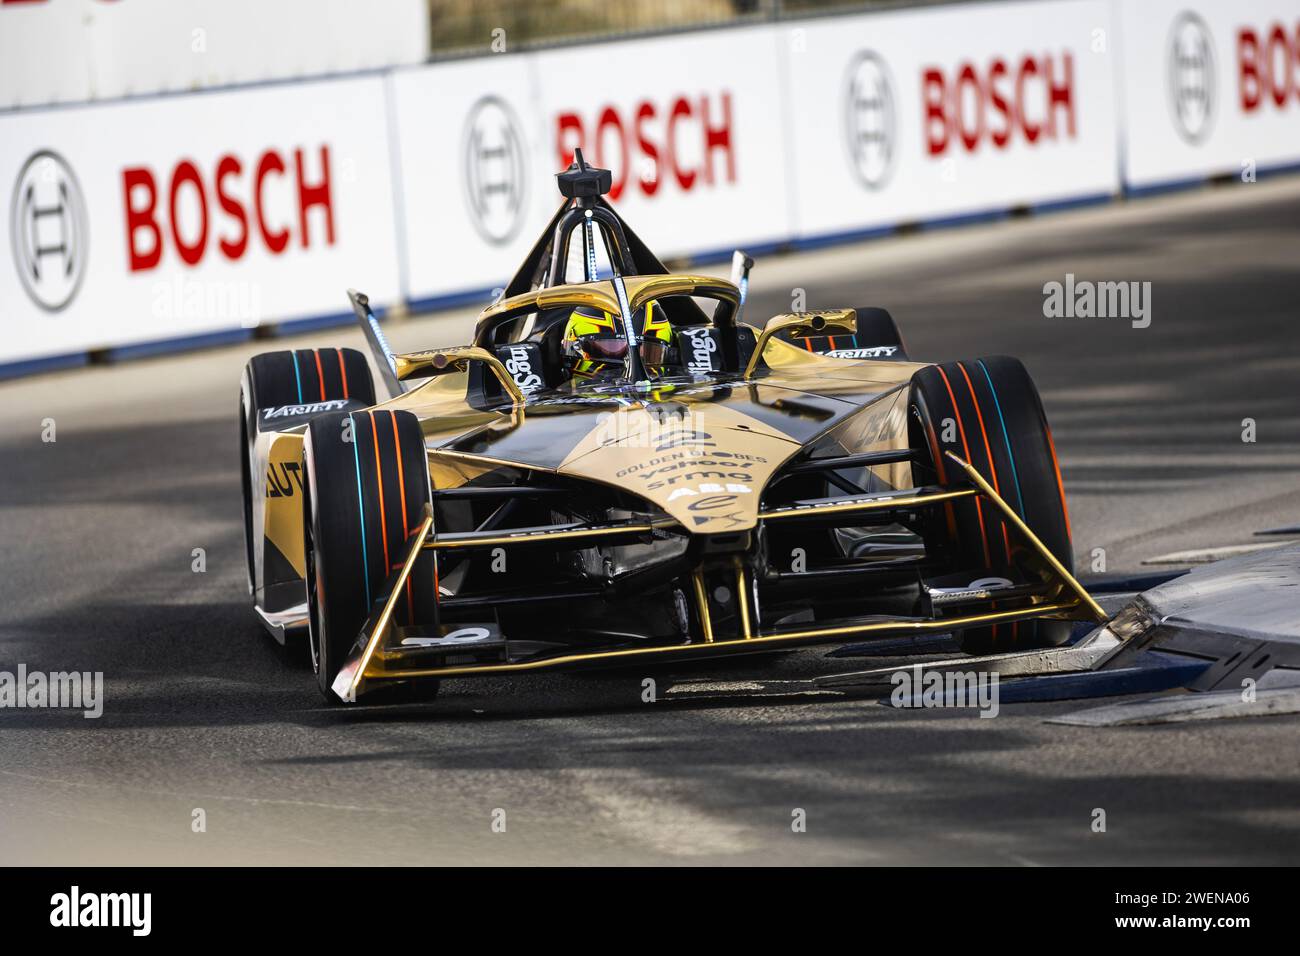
(202, 713)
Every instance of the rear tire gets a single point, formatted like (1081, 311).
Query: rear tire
(364, 497)
(998, 426)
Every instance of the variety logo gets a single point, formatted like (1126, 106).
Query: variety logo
(49, 232)
(687, 140)
(496, 173)
(1191, 77)
(288, 411)
(875, 351)
(869, 119)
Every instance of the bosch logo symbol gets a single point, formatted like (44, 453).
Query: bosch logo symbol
(495, 170)
(1191, 77)
(48, 230)
(869, 119)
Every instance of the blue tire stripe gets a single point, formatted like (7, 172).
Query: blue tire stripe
(297, 375)
(1020, 498)
(356, 457)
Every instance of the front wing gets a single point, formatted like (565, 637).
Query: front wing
(385, 654)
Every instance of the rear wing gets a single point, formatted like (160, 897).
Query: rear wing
(379, 347)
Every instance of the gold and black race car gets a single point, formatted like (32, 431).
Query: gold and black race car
(620, 470)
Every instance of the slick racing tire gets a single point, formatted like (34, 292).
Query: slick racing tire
(276, 379)
(366, 487)
(987, 411)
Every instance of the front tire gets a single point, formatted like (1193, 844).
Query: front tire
(274, 380)
(987, 411)
(367, 484)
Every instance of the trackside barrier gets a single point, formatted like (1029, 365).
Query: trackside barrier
(195, 218)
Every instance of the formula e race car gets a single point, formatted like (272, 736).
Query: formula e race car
(620, 470)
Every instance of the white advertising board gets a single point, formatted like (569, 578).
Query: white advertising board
(690, 125)
(952, 110)
(178, 216)
(1209, 87)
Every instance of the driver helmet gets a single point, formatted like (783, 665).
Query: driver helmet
(594, 340)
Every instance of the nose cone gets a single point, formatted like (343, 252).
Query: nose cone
(704, 465)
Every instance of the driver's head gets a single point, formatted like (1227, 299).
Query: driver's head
(595, 343)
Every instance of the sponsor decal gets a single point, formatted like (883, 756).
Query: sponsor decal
(703, 346)
(1269, 66)
(519, 363)
(649, 143)
(282, 478)
(711, 488)
(495, 170)
(842, 502)
(689, 458)
(870, 121)
(464, 635)
(874, 351)
(975, 105)
(241, 191)
(48, 228)
(1190, 71)
(287, 411)
(690, 476)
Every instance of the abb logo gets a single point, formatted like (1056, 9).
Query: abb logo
(1032, 99)
(684, 140)
(240, 190)
(1269, 66)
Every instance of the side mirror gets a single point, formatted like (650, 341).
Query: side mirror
(803, 324)
(444, 361)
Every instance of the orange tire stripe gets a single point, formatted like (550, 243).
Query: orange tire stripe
(1006, 541)
(1060, 485)
(320, 374)
(961, 429)
(993, 470)
(979, 509)
(943, 478)
(343, 373)
(379, 472)
(406, 528)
